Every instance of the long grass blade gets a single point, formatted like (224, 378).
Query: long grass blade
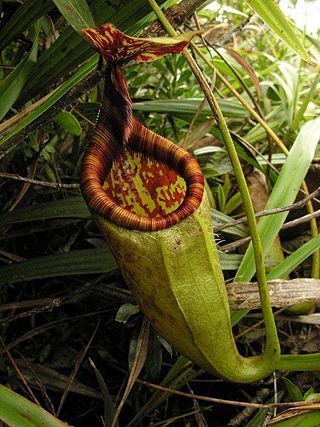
(83, 71)
(16, 411)
(284, 192)
(85, 261)
(13, 84)
(73, 207)
(76, 12)
(188, 107)
(29, 12)
(107, 400)
(271, 14)
(295, 259)
(138, 363)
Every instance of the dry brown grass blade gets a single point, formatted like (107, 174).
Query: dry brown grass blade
(246, 66)
(35, 380)
(43, 328)
(138, 362)
(53, 380)
(5, 126)
(76, 369)
(18, 371)
(25, 186)
(12, 257)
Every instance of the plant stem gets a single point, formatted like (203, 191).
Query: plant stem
(272, 338)
(315, 273)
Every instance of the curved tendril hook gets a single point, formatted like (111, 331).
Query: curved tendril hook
(147, 196)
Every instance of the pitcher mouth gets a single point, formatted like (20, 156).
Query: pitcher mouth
(149, 183)
(130, 175)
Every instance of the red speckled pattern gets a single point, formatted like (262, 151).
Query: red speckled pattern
(117, 47)
(144, 186)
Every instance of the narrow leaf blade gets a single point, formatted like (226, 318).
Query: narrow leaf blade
(83, 71)
(12, 85)
(284, 192)
(15, 410)
(73, 207)
(271, 14)
(23, 17)
(76, 12)
(85, 261)
(295, 259)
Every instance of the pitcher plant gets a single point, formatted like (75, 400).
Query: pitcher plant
(148, 197)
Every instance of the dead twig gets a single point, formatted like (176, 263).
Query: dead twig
(230, 247)
(301, 405)
(76, 369)
(297, 205)
(283, 293)
(56, 185)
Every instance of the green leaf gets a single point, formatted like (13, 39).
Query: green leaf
(188, 107)
(311, 94)
(69, 122)
(293, 390)
(55, 96)
(70, 50)
(233, 203)
(308, 393)
(274, 119)
(73, 207)
(153, 364)
(77, 13)
(258, 419)
(17, 411)
(311, 395)
(107, 400)
(229, 261)
(85, 261)
(181, 108)
(271, 14)
(284, 192)
(12, 85)
(308, 419)
(29, 12)
(299, 362)
(221, 198)
(295, 259)
(126, 311)
(220, 218)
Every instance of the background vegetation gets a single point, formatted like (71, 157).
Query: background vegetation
(69, 326)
